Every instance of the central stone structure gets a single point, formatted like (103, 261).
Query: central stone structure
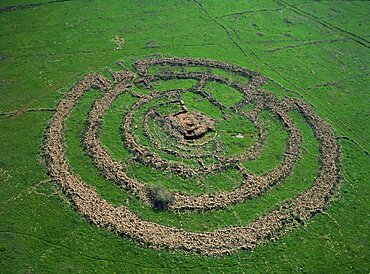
(189, 125)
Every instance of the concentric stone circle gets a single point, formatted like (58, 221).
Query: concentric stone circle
(220, 241)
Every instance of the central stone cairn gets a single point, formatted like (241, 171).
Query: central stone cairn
(188, 125)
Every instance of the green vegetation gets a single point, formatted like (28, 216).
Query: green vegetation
(173, 84)
(110, 134)
(313, 50)
(159, 196)
(198, 103)
(276, 143)
(237, 133)
(79, 160)
(224, 94)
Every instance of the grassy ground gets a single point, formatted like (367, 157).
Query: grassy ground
(314, 50)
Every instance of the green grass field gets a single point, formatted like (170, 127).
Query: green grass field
(317, 51)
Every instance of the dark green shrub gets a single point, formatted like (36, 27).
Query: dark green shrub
(159, 196)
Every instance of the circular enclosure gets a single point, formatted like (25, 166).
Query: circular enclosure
(191, 133)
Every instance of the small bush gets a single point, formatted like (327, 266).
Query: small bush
(159, 196)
